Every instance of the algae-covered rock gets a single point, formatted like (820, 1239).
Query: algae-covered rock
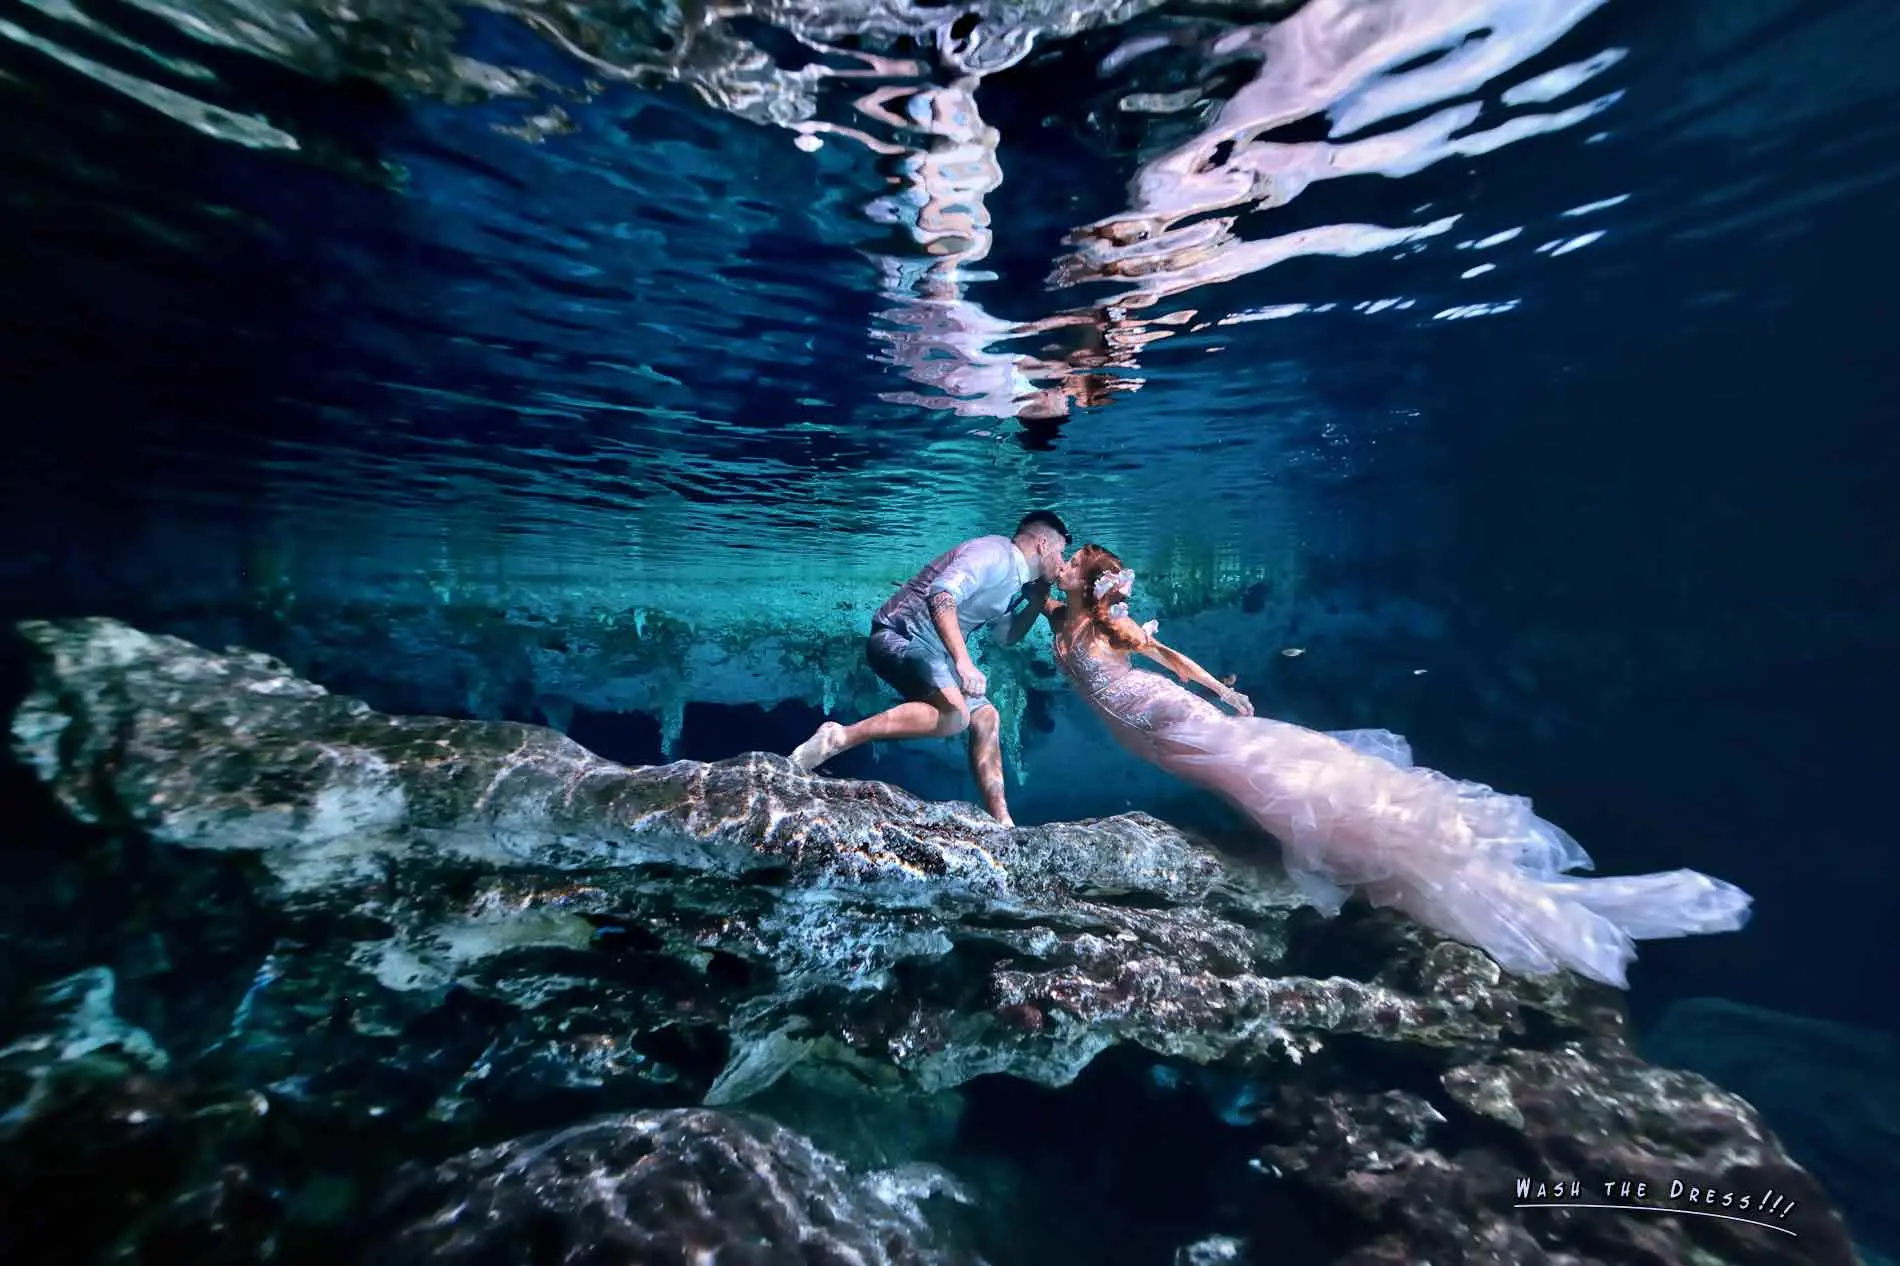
(445, 936)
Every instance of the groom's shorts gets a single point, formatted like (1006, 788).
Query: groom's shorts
(913, 667)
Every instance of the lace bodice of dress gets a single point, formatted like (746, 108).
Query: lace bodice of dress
(1125, 695)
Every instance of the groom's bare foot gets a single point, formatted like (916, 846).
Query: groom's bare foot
(820, 747)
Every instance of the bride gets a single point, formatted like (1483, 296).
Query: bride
(1353, 814)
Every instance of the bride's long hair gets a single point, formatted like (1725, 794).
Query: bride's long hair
(1089, 611)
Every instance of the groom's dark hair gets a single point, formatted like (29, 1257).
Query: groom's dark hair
(1048, 519)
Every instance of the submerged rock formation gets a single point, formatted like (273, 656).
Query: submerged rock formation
(683, 1185)
(299, 951)
(1832, 1092)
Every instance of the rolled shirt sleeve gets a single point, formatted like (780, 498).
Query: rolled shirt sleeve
(966, 571)
(982, 575)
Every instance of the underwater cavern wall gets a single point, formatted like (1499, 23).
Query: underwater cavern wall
(296, 980)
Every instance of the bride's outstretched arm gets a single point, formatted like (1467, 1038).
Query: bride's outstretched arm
(1187, 670)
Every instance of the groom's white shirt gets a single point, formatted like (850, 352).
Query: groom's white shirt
(985, 576)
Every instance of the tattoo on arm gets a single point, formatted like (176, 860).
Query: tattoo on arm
(941, 601)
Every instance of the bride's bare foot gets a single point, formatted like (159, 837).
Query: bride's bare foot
(820, 747)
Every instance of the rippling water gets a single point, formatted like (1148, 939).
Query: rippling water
(557, 286)
(1527, 363)
(1516, 373)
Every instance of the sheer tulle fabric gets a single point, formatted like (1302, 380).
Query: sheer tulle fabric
(1353, 814)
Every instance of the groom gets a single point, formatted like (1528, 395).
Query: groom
(919, 646)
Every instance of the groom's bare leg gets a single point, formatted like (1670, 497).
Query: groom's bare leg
(986, 762)
(942, 715)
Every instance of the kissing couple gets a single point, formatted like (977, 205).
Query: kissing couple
(1351, 812)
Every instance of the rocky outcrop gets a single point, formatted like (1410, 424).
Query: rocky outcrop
(1831, 1091)
(389, 941)
(672, 1186)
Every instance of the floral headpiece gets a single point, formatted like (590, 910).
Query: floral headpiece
(1123, 580)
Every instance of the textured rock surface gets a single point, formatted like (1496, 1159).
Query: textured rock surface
(434, 936)
(1587, 1115)
(682, 1185)
(1830, 1091)
(506, 857)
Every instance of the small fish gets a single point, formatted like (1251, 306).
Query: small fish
(1293, 652)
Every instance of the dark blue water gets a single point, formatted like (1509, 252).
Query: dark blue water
(1627, 499)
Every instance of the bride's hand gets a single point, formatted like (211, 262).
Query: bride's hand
(1241, 704)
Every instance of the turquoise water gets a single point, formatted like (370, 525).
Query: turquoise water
(1515, 374)
(1422, 295)
(1300, 263)
(1510, 374)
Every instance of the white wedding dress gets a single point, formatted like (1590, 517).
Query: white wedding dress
(1353, 814)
